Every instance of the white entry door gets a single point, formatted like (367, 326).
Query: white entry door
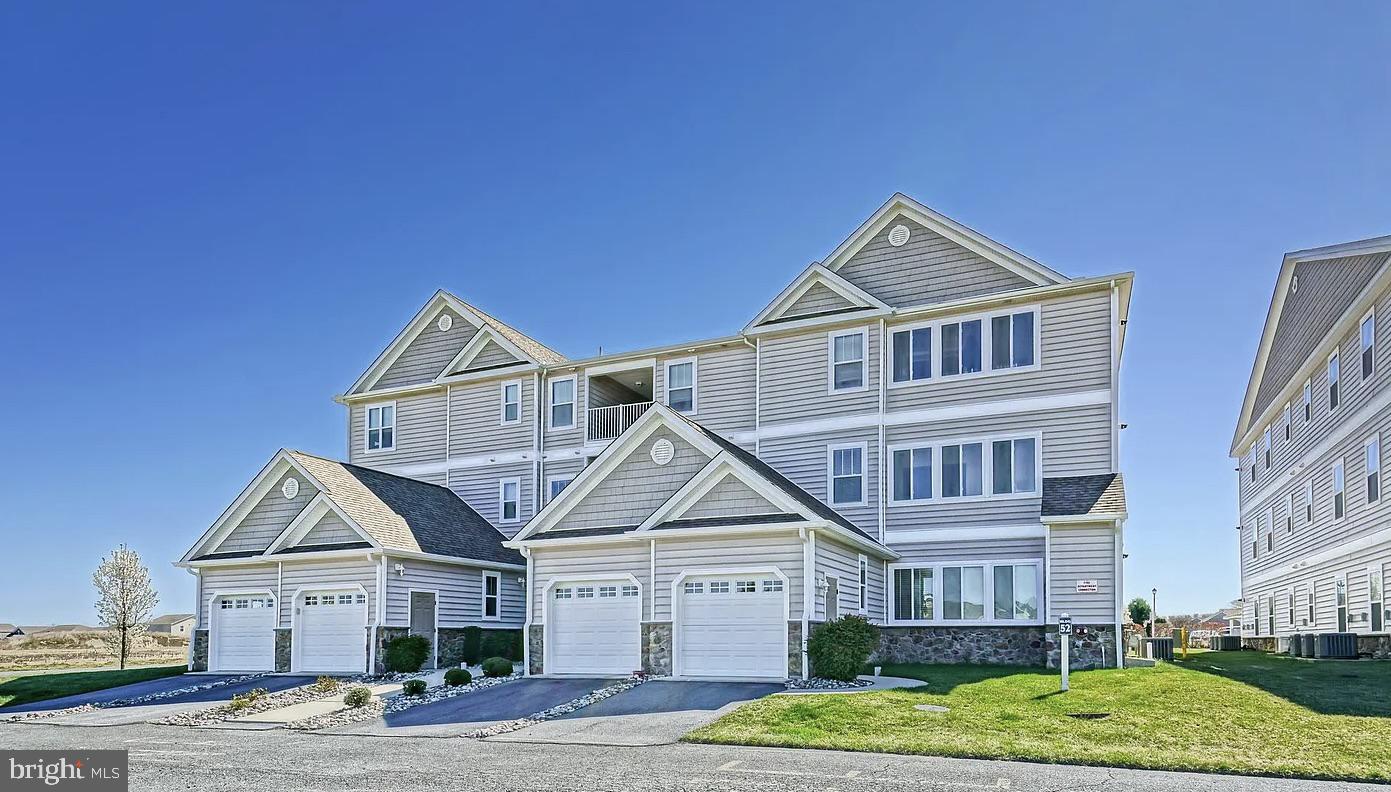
(593, 628)
(243, 633)
(330, 632)
(732, 626)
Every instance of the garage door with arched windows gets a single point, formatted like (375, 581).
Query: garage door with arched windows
(731, 625)
(330, 633)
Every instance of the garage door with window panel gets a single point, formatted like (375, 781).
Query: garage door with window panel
(243, 633)
(732, 626)
(330, 632)
(594, 628)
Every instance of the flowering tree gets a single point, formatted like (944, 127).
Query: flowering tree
(125, 600)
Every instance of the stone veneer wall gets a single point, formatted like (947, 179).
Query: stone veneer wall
(200, 650)
(656, 648)
(284, 641)
(384, 636)
(1260, 644)
(987, 645)
(451, 648)
(1092, 647)
(794, 650)
(1377, 647)
(535, 648)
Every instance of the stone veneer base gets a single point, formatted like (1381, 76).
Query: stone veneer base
(284, 642)
(200, 651)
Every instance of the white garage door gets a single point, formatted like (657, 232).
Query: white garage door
(330, 634)
(594, 628)
(732, 626)
(243, 633)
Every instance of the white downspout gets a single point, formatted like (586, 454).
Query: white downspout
(882, 485)
(808, 597)
(377, 615)
(526, 637)
(757, 396)
(198, 612)
(1120, 591)
(538, 470)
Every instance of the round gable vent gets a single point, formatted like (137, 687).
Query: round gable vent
(446, 321)
(898, 235)
(290, 488)
(662, 451)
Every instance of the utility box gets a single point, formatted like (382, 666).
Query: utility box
(1336, 646)
(1307, 644)
(1296, 645)
(1161, 648)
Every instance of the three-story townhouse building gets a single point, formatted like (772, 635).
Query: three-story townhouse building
(1314, 532)
(921, 429)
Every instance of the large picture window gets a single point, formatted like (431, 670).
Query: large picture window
(985, 592)
(998, 467)
(981, 344)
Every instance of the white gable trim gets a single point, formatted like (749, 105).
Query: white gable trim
(720, 468)
(656, 417)
(968, 238)
(475, 346)
(815, 274)
(418, 323)
(259, 487)
(320, 506)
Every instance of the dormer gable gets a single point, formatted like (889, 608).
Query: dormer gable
(273, 500)
(816, 295)
(488, 352)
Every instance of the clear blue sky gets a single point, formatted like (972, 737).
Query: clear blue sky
(212, 217)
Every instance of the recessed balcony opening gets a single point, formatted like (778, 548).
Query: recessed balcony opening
(615, 399)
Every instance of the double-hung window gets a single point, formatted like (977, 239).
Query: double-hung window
(864, 584)
(511, 403)
(1286, 423)
(1339, 496)
(1270, 535)
(1012, 340)
(509, 500)
(847, 358)
(1269, 615)
(1369, 341)
(1253, 463)
(1308, 401)
(912, 471)
(1372, 455)
(492, 595)
(1014, 466)
(563, 403)
(961, 347)
(912, 354)
(1310, 615)
(1256, 540)
(1308, 501)
(681, 385)
(847, 474)
(381, 427)
(962, 470)
(1265, 447)
(1333, 381)
(555, 484)
(1289, 515)
(1289, 607)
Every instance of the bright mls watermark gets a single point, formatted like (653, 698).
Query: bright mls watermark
(95, 771)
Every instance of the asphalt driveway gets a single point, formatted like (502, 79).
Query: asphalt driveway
(655, 713)
(125, 714)
(478, 710)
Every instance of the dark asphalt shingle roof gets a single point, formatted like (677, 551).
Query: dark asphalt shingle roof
(1082, 495)
(747, 519)
(572, 533)
(323, 548)
(228, 554)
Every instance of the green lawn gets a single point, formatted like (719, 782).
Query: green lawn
(24, 689)
(1229, 712)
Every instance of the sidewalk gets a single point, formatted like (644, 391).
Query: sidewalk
(275, 718)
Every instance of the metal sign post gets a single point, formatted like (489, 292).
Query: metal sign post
(1065, 636)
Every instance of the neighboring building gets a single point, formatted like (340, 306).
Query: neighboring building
(1315, 538)
(10, 631)
(921, 429)
(175, 624)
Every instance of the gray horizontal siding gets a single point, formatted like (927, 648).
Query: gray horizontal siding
(567, 468)
(1320, 576)
(674, 557)
(574, 436)
(795, 379)
(475, 419)
(843, 562)
(268, 518)
(1083, 553)
(725, 386)
(420, 436)
(802, 459)
(479, 488)
(600, 562)
(428, 353)
(634, 489)
(818, 299)
(460, 594)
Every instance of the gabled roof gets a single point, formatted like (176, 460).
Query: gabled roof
(858, 300)
(530, 348)
(1101, 496)
(168, 618)
(480, 341)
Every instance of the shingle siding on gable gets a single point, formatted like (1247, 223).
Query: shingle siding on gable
(634, 489)
(818, 298)
(269, 517)
(1326, 289)
(491, 355)
(929, 268)
(428, 353)
(730, 498)
(330, 529)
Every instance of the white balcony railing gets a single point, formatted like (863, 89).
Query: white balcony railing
(606, 423)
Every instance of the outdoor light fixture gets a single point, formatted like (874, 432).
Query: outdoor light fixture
(821, 584)
(400, 568)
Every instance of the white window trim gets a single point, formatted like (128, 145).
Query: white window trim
(551, 404)
(695, 383)
(502, 403)
(1338, 465)
(483, 596)
(501, 488)
(862, 570)
(831, 478)
(1309, 502)
(986, 346)
(1372, 315)
(987, 469)
(831, 337)
(1287, 596)
(938, 604)
(1307, 401)
(1266, 447)
(1289, 431)
(1328, 371)
(1311, 605)
(1375, 439)
(367, 422)
(552, 479)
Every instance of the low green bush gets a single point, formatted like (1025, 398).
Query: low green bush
(502, 643)
(455, 677)
(839, 649)
(497, 667)
(472, 650)
(325, 684)
(357, 696)
(413, 687)
(405, 655)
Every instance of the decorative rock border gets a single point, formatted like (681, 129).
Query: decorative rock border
(135, 701)
(276, 700)
(817, 683)
(377, 707)
(568, 707)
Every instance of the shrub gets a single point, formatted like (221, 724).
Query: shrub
(357, 696)
(839, 649)
(243, 700)
(501, 643)
(497, 667)
(455, 677)
(473, 645)
(413, 687)
(406, 654)
(325, 684)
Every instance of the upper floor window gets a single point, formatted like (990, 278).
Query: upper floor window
(1265, 447)
(1012, 340)
(1014, 466)
(381, 427)
(847, 475)
(912, 471)
(1369, 340)
(962, 470)
(1333, 380)
(509, 500)
(681, 385)
(1253, 463)
(1308, 401)
(1285, 423)
(961, 347)
(847, 352)
(1270, 535)
(511, 402)
(563, 403)
(864, 584)
(556, 484)
(1372, 454)
(1339, 501)
(1256, 538)
(492, 595)
(1289, 515)
(912, 353)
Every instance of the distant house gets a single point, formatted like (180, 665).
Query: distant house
(10, 631)
(179, 624)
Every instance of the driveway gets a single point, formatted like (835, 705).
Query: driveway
(655, 713)
(478, 710)
(187, 702)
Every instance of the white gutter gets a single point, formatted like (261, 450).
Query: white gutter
(526, 628)
(807, 601)
(1120, 592)
(882, 487)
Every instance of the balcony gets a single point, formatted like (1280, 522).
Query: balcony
(615, 399)
(606, 423)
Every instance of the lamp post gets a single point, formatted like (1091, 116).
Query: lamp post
(1154, 610)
